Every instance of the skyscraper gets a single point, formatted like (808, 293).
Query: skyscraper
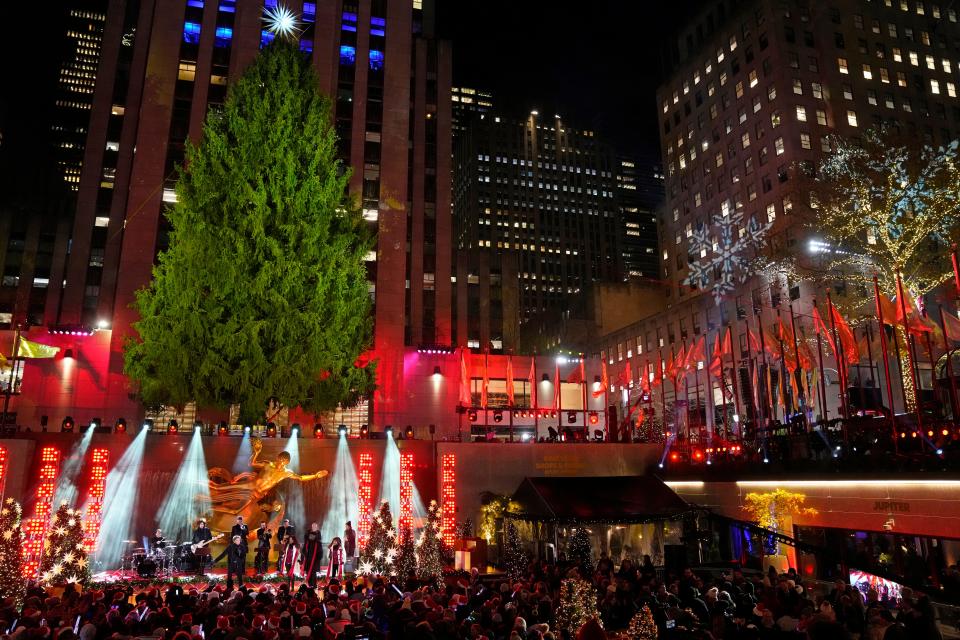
(468, 103)
(539, 196)
(639, 194)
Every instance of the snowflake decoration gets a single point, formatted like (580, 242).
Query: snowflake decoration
(724, 259)
(71, 522)
(366, 568)
(281, 21)
(377, 553)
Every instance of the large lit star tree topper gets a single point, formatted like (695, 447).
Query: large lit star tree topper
(65, 556)
(263, 290)
(12, 579)
(723, 255)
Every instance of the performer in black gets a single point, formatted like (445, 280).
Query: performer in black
(312, 554)
(240, 529)
(236, 554)
(202, 534)
(263, 549)
(283, 532)
(158, 541)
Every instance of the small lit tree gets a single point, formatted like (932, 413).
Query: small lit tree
(578, 604)
(380, 552)
(65, 556)
(642, 626)
(515, 558)
(579, 551)
(12, 579)
(406, 562)
(430, 548)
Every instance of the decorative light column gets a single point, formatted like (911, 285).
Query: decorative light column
(448, 497)
(35, 528)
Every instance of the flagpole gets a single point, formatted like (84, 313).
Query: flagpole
(860, 383)
(869, 334)
(824, 411)
(886, 362)
(536, 400)
(767, 409)
(583, 391)
(606, 401)
(911, 351)
(686, 387)
(510, 392)
(784, 368)
(13, 371)
(956, 267)
(708, 409)
(734, 372)
(840, 356)
(953, 384)
(798, 373)
(663, 392)
(696, 380)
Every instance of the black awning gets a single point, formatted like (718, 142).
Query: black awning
(612, 499)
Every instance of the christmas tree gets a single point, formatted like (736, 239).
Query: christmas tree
(261, 204)
(12, 580)
(578, 604)
(65, 556)
(430, 548)
(642, 626)
(406, 562)
(381, 550)
(515, 557)
(579, 552)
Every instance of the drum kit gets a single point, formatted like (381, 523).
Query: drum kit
(160, 561)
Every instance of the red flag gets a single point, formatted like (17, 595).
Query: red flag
(789, 353)
(556, 388)
(510, 380)
(576, 376)
(486, 383)
(848, 343)
(466, 398)
(754, 342)
(716, 362)
(532, 381)
(625, 376)
(604, 380)
(645, 379)
(951, 325)
(771, 343)
(674, 368)
(893, 314)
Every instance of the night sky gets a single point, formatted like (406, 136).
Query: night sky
(595, 63)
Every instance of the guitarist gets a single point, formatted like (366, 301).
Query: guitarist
(202, 535)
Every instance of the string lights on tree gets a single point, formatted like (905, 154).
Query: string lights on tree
(65, 555)
(515, 558)
(642, 626)
(12, 578)
(431, 549)
(380, 552)
(578, 605)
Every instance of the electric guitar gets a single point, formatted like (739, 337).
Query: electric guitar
(201, 545)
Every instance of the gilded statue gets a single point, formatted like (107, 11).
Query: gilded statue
(252, 494)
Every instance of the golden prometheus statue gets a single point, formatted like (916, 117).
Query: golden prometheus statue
(252, 494)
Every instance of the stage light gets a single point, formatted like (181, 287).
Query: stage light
(173, 427)
(674, 456)
(295, 430)
(939, 452)
(103, 323)
(271, 430)
(945, 432)
(408, 433)
(388, 430)
(930, 433)
(342, 430)
(660, 464)
(119, 503)
(913, 434)
(437, 372)
(67, 425)
(448, 496)
(222, 429)
(698, 455)
(594, 418)
(498, 416)
(525, 437)
(94, 424)
(364, 431)
(197, 425)
(766, 461)
(246, 429)
(571, 417)
(545, 378)
(188, 495)
(472, 415)
(120, 426)
(364, 497)
(390, 475)
(342, 490)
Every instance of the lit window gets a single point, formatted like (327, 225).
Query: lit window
(187, 71)
(914, 59)
(191, 32)
(778, 145)
(376, 60)
(101, 221)
(348, 55)
(897, 56)
(946, 65)
(872, 97)
(771, 92)
(113, 146)
(801, 114)
(817, 89)
(901, 79)
(825, 144)
(951, 90)
(775, 119)
(169, 195)
(931, 63)
(867, 72)
(797, 87)
(851, 117)
(934, 86)
(884, 76)
(754, 80)
(771, 212)
(733, 43)
(745, 140)
(842, 64)
(805, 140)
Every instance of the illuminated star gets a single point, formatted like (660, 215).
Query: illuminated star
(378, 554)
(366, 568)
(392, 533)
(281, 21)
(81, 562)
(57, 569)
(68, 557)
(80, 546)
(60, 531)
(5, 511)
(72, 580)
(71, 522)
(8, 534)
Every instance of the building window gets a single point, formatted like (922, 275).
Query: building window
(817, 90)
(801, 114)
(778, 145)
(805, 140)
(821, 117)
(935, 86)
(867, 72)
(797, 87)
(842, 64)
(851, 117)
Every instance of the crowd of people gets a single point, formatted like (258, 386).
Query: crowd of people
(729, 606)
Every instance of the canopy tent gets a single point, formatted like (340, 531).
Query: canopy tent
(610, 499)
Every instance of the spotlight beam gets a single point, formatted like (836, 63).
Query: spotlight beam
(343, 490)
(189, 495)
(67, 489)
(119, 503)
